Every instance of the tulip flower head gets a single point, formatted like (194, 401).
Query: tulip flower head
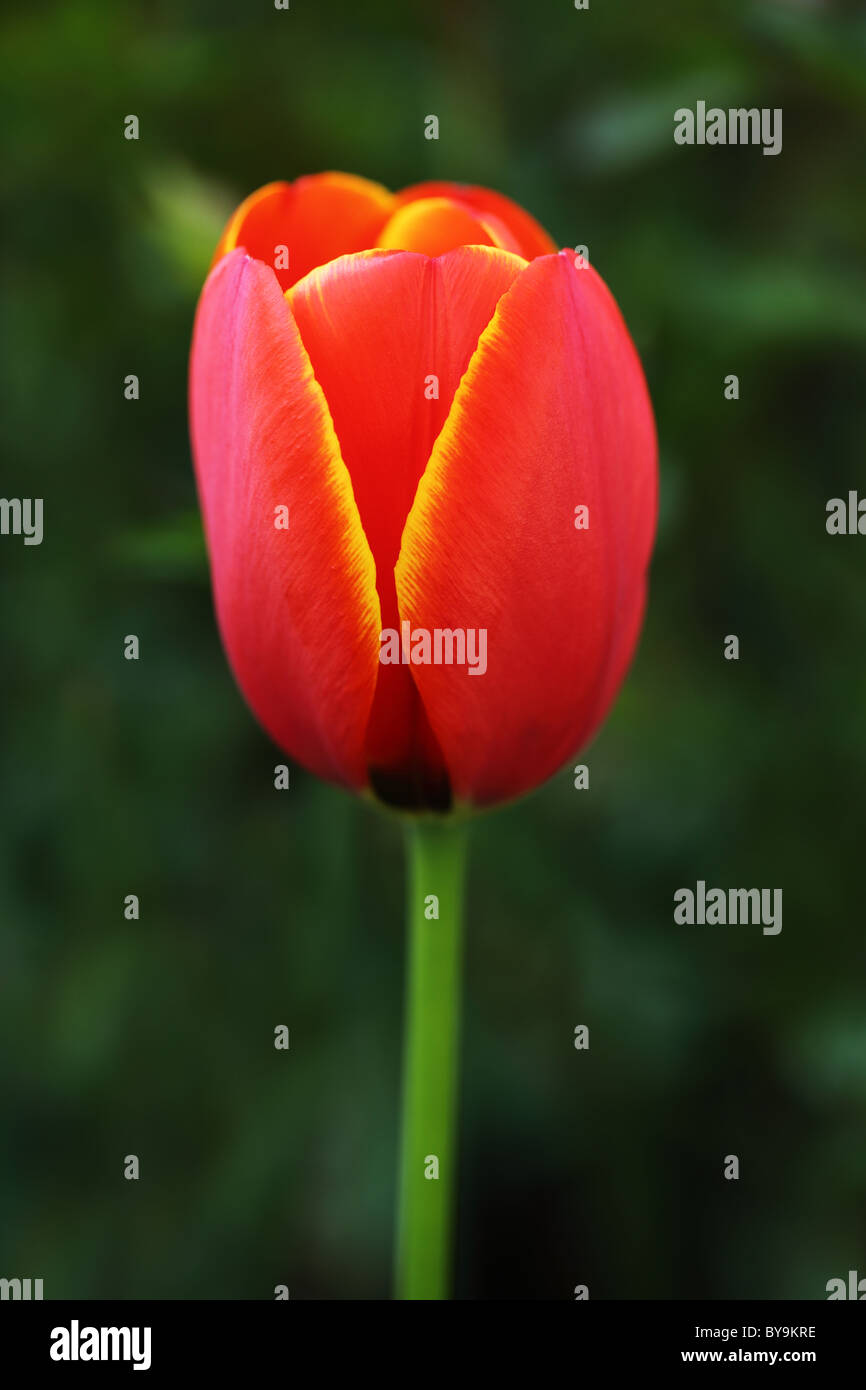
(426, 459)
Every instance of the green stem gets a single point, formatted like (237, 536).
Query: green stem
(430, 1066)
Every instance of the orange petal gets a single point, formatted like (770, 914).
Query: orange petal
(316, 218)
(436, 225)
(297, 607)
(529, 236)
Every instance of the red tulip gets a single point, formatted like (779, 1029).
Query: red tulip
(398, 404)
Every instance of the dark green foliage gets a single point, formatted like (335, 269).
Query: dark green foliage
(257, 908)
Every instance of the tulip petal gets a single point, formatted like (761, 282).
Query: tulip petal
(315, 218)
(297, 607)
(552, 414)
(389, 336)
(531, 239)
(436, 225)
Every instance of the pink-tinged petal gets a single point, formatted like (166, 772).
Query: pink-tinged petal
(552, 414)
(389, 336)
(297, 607)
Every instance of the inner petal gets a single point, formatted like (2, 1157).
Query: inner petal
(389, 335)
(530, 237)
(315, 219)
(436, 225)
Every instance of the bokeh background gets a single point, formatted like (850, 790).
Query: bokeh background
(156, 1037)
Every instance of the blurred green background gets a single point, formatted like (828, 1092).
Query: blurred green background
(258, 908)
